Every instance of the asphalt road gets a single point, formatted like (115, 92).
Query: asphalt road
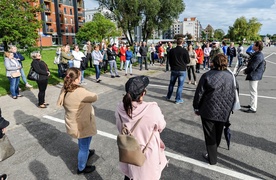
(45, 151)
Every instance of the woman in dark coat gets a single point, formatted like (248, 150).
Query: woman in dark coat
(41, 68)
(213, 102)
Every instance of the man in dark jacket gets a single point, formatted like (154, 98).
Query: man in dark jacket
(111, 57)
(254, 72)
(178, 60)
(143, 50)
(213, 101)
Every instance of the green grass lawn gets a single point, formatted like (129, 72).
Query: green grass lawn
(48, 57)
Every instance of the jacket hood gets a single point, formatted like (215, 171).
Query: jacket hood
(139, 110)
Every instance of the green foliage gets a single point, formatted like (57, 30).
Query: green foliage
(151, 15)
(219, 34)
(18, 23)
(243, 29)
(97, 29)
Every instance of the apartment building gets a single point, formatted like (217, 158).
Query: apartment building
(189, 25)
(61, 20)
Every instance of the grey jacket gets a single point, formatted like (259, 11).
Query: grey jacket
(215, 95)
(11, 67)
(256, 67)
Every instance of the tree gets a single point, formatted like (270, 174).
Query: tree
(18, 22)
(97, 30)
(242, 29)
(150, 15)
(219, 34)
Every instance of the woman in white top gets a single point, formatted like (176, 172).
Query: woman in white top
(79, 57)
(98, 58)
(13, 73)
(191, 65)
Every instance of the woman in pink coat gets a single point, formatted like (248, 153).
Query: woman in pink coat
(131, 109)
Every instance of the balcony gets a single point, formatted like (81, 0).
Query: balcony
(50, 31)
(47, 10)
(48, 21)
(80, 14)
(61, 12)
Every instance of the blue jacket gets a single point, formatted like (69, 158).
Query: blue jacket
(255, 68)
(129, 55)
(19, 57)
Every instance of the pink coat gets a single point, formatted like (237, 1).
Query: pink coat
(152, 120)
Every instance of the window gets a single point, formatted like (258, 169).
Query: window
(65, 11)
(65, 19)
(71, 21)
(67, 39)
(66, 29)
(71, 12)
(72, 29)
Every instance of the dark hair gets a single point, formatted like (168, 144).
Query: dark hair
(259, 44)
(224, 43)
(220, 62)
(179, 41)
(127, 100)
(71, 75)
(76, 46)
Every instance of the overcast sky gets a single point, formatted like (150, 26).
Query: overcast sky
(221, 14)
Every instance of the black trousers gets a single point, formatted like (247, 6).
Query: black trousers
(189, 70)
(143, 58)
(127, 178)
(42, 85)
(89, 58)
(212, 133)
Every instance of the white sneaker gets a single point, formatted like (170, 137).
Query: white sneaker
(28, 85)
(203, 68)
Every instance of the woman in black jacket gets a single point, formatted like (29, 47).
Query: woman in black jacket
(213, 101)
(41, 68)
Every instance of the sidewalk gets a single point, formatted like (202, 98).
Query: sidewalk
(28, 103)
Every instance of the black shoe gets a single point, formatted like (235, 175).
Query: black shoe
(205, 156)
(112, 76)
(87, 169)
(98, 81)
(248, 111)
(117, 76)
(91, 153)
(4, 176)
(248, 106)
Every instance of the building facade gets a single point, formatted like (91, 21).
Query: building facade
(189, 25)
(61, 20)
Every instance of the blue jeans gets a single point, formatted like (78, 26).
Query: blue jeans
(82, 75)
(71, 63)
(84, 144)
(97, 70)
(14, 83)
(181, 76)
(206, 61)
(23, 76)
(128, 64)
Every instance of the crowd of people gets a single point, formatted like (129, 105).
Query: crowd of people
(214, 87)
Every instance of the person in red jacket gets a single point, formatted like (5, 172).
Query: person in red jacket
(199, 53)
(122, 56)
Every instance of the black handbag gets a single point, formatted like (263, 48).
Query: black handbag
(32, 75)
(63, 68)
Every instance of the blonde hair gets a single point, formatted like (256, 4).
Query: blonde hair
(34, 54)
(7, 53)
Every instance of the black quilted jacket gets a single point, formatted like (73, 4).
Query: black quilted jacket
(215, 95)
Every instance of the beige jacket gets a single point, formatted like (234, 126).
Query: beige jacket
(79, 113)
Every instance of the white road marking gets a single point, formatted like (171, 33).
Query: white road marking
(241, 94)
(178, 157)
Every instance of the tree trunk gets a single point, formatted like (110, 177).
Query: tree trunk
(6, 48)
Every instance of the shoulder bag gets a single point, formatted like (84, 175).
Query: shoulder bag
(129, 149)
(236, 105)
(32, 75)
(15, 74)
(6, 149)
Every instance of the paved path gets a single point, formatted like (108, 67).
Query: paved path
(45, 151)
